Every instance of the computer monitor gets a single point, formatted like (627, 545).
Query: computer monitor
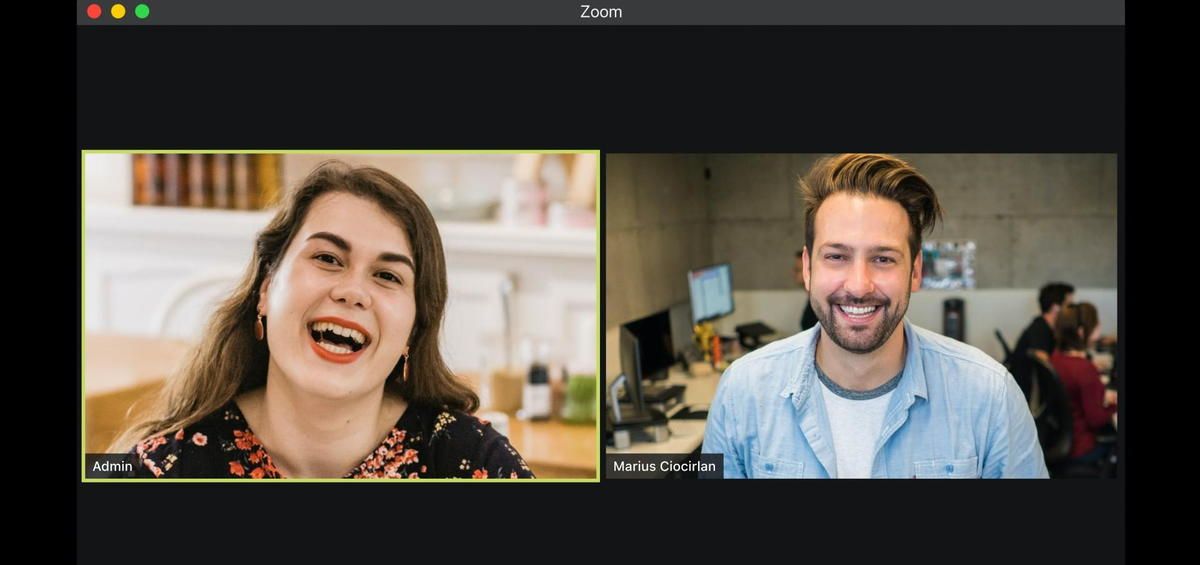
(631, 367)
(655, 350)
(711, 289)
(681, 327)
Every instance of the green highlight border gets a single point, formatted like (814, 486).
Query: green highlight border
(83, 307)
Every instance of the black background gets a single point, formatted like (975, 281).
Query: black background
(971, 89)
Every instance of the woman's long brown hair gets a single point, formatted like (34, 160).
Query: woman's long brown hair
(229, 360)
(1075, 325)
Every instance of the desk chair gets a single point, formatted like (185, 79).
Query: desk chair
(1051, 410)
(1019, 368)
(1004, 346)
(1108, 466)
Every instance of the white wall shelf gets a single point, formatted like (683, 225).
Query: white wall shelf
(238, 227)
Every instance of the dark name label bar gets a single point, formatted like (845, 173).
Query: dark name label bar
(664, 466)
(108, 465)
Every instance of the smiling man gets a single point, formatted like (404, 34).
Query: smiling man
(866, 394)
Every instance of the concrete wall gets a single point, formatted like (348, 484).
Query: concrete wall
(1035, 218)
(758, 217)
(656, 227)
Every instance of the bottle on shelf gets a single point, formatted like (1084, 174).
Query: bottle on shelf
(536, 401)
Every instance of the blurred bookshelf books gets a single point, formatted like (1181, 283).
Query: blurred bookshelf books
(204, 180)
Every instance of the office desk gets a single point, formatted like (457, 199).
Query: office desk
(114, 363)
(555, 449)
(120, 370)
(686, 435)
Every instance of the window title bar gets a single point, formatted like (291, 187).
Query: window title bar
(599, 12)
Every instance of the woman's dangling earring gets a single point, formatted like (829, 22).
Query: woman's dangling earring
(259, 330)
(404, 371)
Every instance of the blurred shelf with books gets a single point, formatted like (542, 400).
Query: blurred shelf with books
(516, 204)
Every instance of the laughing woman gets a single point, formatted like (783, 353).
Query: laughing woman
(324, 362)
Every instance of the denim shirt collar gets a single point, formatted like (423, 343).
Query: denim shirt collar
(813, 420)
(800, 385)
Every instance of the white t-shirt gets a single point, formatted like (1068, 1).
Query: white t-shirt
(856, 419)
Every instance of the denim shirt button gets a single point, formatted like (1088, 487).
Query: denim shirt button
(949, 469)
(770, 466)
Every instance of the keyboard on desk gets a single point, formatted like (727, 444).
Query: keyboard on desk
(660, 393)
(690, 413)
(663, 398)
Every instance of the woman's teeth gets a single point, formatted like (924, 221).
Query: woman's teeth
(334, 348)
(357, 336)
(337, 339)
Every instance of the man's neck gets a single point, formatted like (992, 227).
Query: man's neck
(1050, 318)
(862, 371)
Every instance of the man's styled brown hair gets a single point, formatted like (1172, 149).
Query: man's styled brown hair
(881, 176)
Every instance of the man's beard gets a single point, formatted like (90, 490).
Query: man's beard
(862, 340)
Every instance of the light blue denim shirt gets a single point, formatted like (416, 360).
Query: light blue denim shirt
(956, 413)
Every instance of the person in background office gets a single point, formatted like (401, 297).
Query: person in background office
(1038, 337)
(809, 318)
(1092, 406)
(324, 362)
(853, 397)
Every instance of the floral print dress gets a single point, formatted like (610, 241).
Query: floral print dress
(426, 442)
